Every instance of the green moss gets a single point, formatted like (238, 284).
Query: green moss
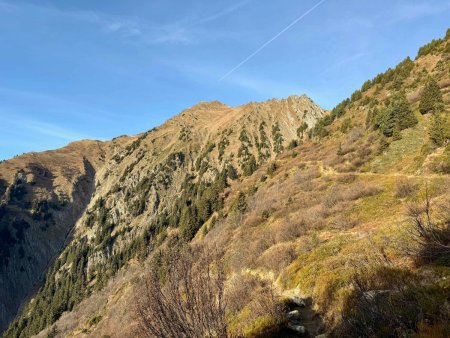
(265, 326)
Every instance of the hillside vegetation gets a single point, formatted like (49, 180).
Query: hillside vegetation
(341, 216)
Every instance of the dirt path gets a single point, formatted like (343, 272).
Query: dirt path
(330, 171)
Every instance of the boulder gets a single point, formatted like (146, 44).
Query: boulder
(293, 315)
(299, 329)
(298, 301)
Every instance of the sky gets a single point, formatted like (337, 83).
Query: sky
(95, 69)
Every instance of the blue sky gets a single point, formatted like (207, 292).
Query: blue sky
(97, 69)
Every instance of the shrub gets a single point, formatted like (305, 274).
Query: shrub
(389, 302)
(257, 309)
(278, 257)
(405, 188)
(293, 144)
(272, 168)
(187, 302)
(430, 230)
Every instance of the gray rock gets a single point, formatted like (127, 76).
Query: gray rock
(293, 315)
(298, 301)
(299, 329)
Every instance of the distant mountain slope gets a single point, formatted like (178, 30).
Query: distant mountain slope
(42, 195)
(101, 203)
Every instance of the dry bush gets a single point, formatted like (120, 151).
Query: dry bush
(346, 167)
(333, 197)
(239, 291)
(360, 190)
(254, 305)
(358, 162)
(333, 159)
(290, 228)
(315, 216)
(430, 231)
(253, 219)
(389, 302)
(347, 179)
(277, 257)
(184, 300)
(355, 134)
(306, 175)
(306, 200)
(247, 246)
(346, 149)
(340, 193)
(342, 222)
(405, 188)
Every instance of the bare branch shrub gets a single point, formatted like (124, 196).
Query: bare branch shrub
(386, 301)
(347, 179)
(405, 188)
(186, 299)
(360, 190)
(290, 227)
(278, 256)
(264, 311)
(341, 193)
(430, 230)
(375, 303)
(342, 221)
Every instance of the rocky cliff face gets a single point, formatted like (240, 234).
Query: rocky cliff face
(107, 199)
(42, 197)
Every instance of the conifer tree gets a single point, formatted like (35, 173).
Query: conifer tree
(437, 131)
(405, 115)
(431, 100)
(241, 202)
(388, 123)
(397, 116)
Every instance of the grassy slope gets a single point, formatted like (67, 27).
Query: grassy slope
(338, 215)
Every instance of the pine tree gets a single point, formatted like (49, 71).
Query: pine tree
(388, 123)
(277, 138)
(397, 116)
(405, 115)
(241, 202)
(249, 166)
(437, 131)
(431, 100)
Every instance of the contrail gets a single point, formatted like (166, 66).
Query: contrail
(271, 40)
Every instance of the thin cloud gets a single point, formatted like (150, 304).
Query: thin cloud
(131, 27)
(183, 32)
(57, 105)
(265, 87)
(344, 61)
(414, 11)
(27, 124)
(268, 88)
(56, 131)
(248, 58)
(222, 13)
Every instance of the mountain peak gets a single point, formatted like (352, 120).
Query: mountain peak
(208, 105)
